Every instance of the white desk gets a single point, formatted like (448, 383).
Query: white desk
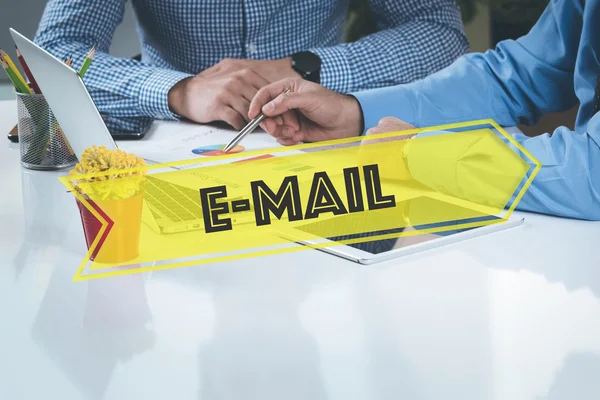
(510, 316)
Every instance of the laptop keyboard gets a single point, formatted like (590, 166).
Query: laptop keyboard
(175, 202)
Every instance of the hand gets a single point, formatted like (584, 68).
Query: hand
(390, 124)
(308, 113)
(392, 166)
(271, 70)
(218, 97)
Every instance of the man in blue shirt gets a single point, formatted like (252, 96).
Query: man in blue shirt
(550, 69)
(205, 60)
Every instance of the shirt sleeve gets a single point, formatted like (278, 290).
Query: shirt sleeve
(516, 83)
(129, 91)
(568, 184)
(416, 38)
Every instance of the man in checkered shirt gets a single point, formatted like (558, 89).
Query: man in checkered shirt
(205, 60)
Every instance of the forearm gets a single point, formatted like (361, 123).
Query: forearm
(120, 87)
(407, 49)
(507, 85)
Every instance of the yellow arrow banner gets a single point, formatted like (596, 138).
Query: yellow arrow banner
(265, 202)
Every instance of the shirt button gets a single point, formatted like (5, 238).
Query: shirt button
(251, 48)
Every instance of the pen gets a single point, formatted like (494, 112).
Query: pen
(247, 129)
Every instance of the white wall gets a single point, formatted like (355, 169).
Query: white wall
(24, 16)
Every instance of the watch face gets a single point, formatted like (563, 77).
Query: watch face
(308, 65)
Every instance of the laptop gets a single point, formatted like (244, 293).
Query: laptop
(173, 203)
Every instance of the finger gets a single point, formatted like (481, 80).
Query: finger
(244, 83)
(290, 118)
(394, 124)
(297, 137)
(373, 131)
(284, 132)
(250, 83)
(287, 102)
(385, 127)
(240, 105)
(248, 90)
(399, 134)
(287, 141)
(389, 121)
(378, 131)
(268, 93)
(268, 125)
(277, 121)
(232, 117)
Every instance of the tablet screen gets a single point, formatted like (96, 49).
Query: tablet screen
(415, 206)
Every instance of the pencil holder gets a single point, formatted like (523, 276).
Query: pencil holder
(42, 142)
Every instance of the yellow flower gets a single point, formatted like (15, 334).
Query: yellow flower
(115, 184)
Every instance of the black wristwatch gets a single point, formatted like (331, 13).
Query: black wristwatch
(308, 65)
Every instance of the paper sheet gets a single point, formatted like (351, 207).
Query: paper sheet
(175, 141)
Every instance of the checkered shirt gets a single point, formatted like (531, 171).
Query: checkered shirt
(180, 38)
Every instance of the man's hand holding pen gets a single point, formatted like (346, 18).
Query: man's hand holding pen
(308, 113)
(312, 113)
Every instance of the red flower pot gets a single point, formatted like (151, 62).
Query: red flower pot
(120, 241)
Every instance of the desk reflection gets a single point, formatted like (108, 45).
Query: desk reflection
(49, 211)
(46, 202)
(530, 252)
(577, 379)
(88, 328)
(260, 348)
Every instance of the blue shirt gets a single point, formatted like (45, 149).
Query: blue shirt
(181, 38)
(550, 69)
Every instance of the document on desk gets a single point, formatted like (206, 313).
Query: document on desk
(184, 141)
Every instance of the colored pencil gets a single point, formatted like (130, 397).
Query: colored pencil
(4, 65)
(87, 62)
(12, 67)
(32, 81)
(19, 86)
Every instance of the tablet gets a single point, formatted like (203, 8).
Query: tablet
(358, 248)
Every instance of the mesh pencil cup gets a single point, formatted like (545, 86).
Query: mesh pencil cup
(42, 142)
